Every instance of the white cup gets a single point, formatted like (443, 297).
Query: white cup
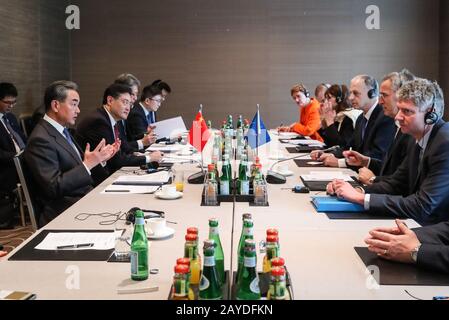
(169, 190)
(157, 226)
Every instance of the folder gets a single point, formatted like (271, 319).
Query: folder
(333, 204)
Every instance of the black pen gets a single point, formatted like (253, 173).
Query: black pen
(117, 191)
(76, 246)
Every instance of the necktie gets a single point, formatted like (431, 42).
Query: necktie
(14, 135)
(116, 132)
(363, 123)
(70, 140)
(150, 118)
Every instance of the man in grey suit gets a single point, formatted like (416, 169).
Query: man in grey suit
(423, 176)
(61, 171)
(427, 247)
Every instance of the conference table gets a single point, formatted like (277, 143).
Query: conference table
(319, 252)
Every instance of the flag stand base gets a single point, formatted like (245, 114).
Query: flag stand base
(197, 178)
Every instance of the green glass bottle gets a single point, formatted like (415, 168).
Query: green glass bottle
(210, 284)
(139, 249)
(219, 255)
(226, 177)
(243, 182)
(240, 122)
(247, 233)
(248, 288)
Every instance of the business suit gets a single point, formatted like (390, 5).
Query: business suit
(394, 157)
(137, 123)
(97, 126)
(338, 134)
(434, 251)
(425, 182)
(58, 172)
(8, 175)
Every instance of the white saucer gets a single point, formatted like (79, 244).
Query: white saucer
(162, 196)
(167, 233)
(286, 173)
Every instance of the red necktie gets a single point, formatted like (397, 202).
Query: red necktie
(116, 132)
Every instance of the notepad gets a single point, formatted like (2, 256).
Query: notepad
(153, 179)
(333, 204)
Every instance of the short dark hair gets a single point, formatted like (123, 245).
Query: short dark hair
(115, 90)
(341, 93)
(128, 80)
(58, 91)
(162, 85)
(149, 92)
(7, 90)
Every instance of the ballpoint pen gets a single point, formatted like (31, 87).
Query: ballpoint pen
(117, 191)
(76, 246)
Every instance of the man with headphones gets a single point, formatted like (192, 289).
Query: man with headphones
(419, 187)
(309, 113)
(373, 133)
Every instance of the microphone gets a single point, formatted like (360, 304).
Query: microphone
(277, 178)
(169, 140)
(196, 178)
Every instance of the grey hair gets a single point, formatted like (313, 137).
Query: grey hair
(398, 79)
(58, 91)
(423, 94)
(128, 80)
(370, 82)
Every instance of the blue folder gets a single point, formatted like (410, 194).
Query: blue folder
(333, 204)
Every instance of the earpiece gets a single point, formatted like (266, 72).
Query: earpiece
(339, 97)
(131, 214)
(431, 117)
(374, 92)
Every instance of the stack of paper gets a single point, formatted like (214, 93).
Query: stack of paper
(99, 241)
(326, 176)
(154, 179)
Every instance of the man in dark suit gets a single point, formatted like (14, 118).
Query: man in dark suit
(143, 115)
(60, 170)
(373, 132)
(423, 176)
(12, 141)
(103, 123)
(374, 170)
(427, 247)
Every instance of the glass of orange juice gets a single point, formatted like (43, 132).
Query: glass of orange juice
(179, 180)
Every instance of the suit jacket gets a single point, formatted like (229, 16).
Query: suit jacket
(58, 173)
(334, 137)
(97, 126)
(394, 157)
(425, 183)
(8, 175)
(127, 146)
(137, 124)
(434, 251)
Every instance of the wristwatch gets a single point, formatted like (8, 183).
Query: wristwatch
(414, 253)
(372, 179)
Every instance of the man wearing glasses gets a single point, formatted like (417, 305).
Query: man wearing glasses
(103, 123)
(143, 115)
(12, 141)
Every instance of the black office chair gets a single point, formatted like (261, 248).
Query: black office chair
(26, 189)
(26, 123)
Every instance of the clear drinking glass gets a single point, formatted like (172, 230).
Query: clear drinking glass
(123, 235)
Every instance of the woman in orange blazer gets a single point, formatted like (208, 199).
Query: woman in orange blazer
(309, 111)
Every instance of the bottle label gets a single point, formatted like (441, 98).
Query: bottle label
(254, 286)
(134, 262)
(139, 222)
(213, 231)
(209, 261)
(244, 187)
(224, 188)
(248, 231)
(250, 262)
(204, 283)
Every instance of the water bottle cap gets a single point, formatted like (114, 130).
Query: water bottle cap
(191, 237)
(272, 232)
(272, 238)
(183, 261)
(277, 262)
(213, 222)
(182, 269)
(192, 230)
(277, 271)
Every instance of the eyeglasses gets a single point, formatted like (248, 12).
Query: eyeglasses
(126, 102)
(157, 100)
(11, 103)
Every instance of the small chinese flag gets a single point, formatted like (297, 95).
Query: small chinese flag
(199, 133)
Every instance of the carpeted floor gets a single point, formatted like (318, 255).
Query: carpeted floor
(10, 239)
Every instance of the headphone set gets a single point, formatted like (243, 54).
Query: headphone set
(131, 214)
(304, 90)
(374, 92)
(339, 97)
(431, 117)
